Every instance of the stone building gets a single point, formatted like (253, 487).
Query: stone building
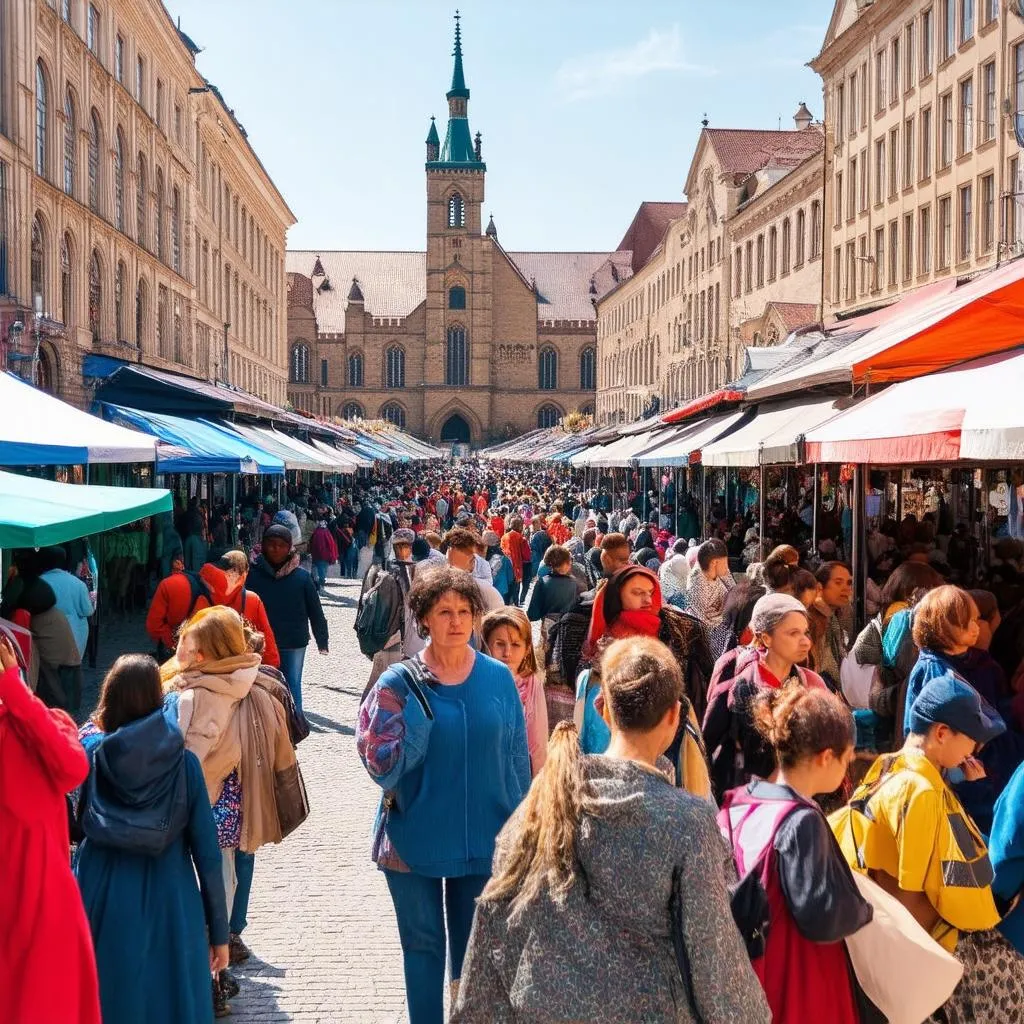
(670, 330)
(463, 342)
(136, 220)
(924, 174)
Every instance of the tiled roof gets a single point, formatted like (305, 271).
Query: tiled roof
(796, 314)
(395, 283)
(647, 230)
(743, 150)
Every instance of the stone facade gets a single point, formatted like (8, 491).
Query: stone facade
(137, 221)
(463, 342)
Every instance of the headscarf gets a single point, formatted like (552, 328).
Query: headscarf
(609, 618)
(673, 574)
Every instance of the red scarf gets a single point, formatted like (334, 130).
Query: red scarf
(643, 622)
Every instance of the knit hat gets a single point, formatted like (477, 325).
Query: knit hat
(491, 539)
(403, 536)
(279, 531)
(771, 609)
(952, 701)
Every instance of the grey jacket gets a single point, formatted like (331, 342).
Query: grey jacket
(605, 954)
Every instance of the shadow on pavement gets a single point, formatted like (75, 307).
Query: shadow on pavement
(318, 723)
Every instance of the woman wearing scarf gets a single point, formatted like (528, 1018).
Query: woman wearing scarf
(631, 605)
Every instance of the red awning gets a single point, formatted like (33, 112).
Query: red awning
(702, 404)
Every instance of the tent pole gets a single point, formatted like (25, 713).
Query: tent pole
(859, 561)
(760, 514)
(814, 509)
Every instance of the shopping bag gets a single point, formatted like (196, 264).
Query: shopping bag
(900, 967)
(855, 680)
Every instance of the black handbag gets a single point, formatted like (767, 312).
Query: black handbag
(292, 800)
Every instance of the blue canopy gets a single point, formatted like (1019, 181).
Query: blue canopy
(196, 446)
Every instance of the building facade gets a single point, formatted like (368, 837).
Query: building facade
(464, 342)
(924, 174)
(137, 222)
(675, 328)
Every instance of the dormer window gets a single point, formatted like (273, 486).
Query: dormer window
(456, 211)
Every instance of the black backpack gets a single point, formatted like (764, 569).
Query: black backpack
(381, 611)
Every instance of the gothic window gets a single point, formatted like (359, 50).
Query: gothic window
(159, 221)
(355, 370)
(38, 263)
(69, 143)
(140, 202)
(786, 247)
(351, 411)
(456, 358)
(42, 119)
(393, 413)
(161, 320)
(179, 332)
(300, 364)
(323, 373)
(456, 211)
(95, 135)
(457, 298)
(119, 181)
(176, 229)
(119, 310)
(799, 258)
(394, 368)
(95, 297)
(547, 370)
(140, 313)
(588, 369)
(66, 291)
(548, 416)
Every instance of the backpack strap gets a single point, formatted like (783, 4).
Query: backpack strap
(198, 589)
(750, 825)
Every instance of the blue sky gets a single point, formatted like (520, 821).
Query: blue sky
(586, 108)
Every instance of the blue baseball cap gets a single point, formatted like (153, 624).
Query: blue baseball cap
(950, 700)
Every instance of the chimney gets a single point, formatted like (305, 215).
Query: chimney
(803, 117)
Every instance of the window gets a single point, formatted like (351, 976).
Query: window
(948, 28)
(837, 274)
(862, 200)
(894, 70)
(1018, 78)
(760, 256)
(798, 259)
(840, 118)
(158, 221)
(65, 10)
(588, 369)
(966, 20)
(894, 157)
(352, 411)
(748, 268)
(92, 30)
(945, 130)
(140, 314)
(879, 259)
(66, 290)
(456, 211)
(456, 358)
(945, 232)
(880, 91)
(159, 103)
(41, 119)
(926, 143)
(851, 202)
(300, 363)
(140, 80)
(786, 247)
(119, 183)
(394, 367)
(94, 161)
(909, 139)
(988, 101)
(816, 228)
(393, 413)
(894, 251)
(355, 370)
(37, 261)
(70, 138)
(176, 229)
(924, 236)
(966, 239)
(966, 115)
(880, 170)
(95, 297)
(737, 263)
(119, 58)
(547, 370)
(457, 297)
(862, 265)
(548, 416)
(908, 246)
(854, 119)
(773, 247)
(851, 272)
(119, 311)
(177, 123)
(926, 43)
(323, 373)
(988, 213)
(990, 10)
(140, 202)
(909, 55)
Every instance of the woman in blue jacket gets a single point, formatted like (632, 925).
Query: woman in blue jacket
(444, 736)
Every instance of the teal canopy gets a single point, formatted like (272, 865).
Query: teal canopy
(35, 513)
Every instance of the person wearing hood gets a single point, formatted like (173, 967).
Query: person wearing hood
(292, 603)
(149, 867)
(674, 573)
(605, 847)
(324, 551)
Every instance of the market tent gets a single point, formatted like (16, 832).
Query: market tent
(353, 460)
(40, 430)
(295, 454)
(969, 413)
(207, 449)
(772, 436)
(35, 513)
(685, 447)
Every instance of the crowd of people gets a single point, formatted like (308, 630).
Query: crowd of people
(625, 775)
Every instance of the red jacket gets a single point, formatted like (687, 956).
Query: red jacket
(322, 546)
(512, 543)
(42, 921)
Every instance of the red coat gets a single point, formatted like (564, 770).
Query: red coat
(47, 965)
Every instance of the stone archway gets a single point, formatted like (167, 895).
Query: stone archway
(456, 429)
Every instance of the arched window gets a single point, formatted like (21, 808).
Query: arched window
(94, 161)
(140, 314)
(355, 370)
(95, 297)
(394, 367)
(456, 358)
(787, 253)
(69, 143)
(120, 319)
(66, 286)
(456, 211)
(158, 238)
(42, 119)
(457, 298)
(548, 416)
(162, 333)
(393, 413)
(547, 370)
(800, 232)
(588, 369)
(300, 363)
(119, 181)
(140, 202)
(176, 229)
(351, 411)
(773, 252)
(38, 263)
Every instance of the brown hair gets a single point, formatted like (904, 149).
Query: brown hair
(557, 556)
(908, 581)
(234, 561)
(432, 584)
(433, 539)
(801, 723)
(516, 524)
(614, 541)
(801, 580)
(461, 539)
(939, 614)
(986, 603)
(824, 573)
(783, 553)
(515, 619)
(641, 680)
(130, 691)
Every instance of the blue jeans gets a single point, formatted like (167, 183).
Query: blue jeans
(320, 573)
(421, 906)
(351, 566)
(292, 659)
(244, 864)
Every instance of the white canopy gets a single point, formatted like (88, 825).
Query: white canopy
(677, 450)
(37, 429)
(619, 453)
(348, 461)
(295, 454)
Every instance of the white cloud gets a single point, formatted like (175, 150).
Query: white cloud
(603, 72)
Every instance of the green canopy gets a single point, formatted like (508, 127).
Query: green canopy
(35, 513)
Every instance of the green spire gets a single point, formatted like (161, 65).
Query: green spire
(432, 136)
(458, 77)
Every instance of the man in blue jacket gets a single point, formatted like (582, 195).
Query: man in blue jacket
(291, 601)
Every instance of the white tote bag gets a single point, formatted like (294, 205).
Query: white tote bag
(901, 968)
(855, 680)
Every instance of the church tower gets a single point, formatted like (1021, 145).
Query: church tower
(458, 313)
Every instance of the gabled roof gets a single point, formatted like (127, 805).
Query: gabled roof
(647, 230)
(741, 151)
(563, 282)
(795, 314)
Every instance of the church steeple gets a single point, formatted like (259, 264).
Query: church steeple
(458, 88)
(458, 149)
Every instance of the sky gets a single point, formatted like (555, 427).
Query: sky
(586, 108)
